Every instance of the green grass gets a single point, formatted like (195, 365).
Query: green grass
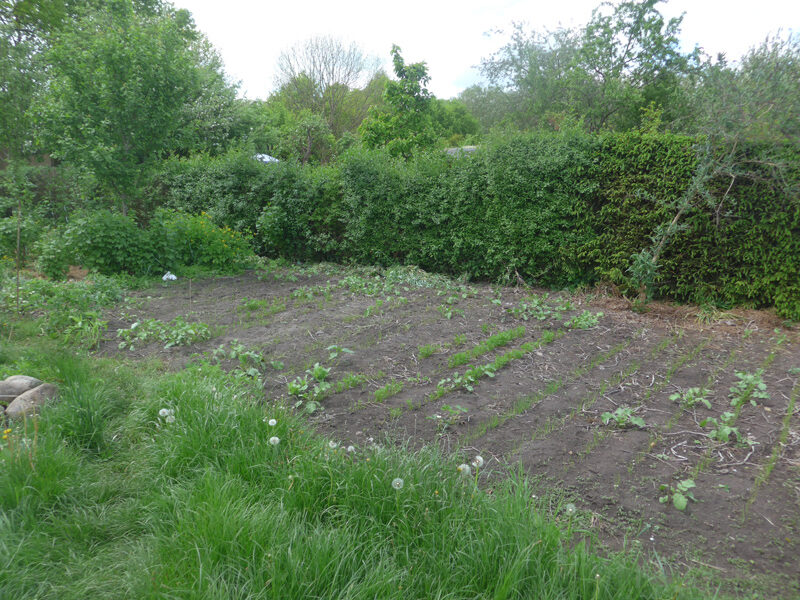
(497, 340)
(103, 497)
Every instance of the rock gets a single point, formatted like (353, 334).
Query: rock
(29, 402)
(16, 384)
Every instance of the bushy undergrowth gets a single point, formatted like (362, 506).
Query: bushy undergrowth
(111, 243)
(187, 485)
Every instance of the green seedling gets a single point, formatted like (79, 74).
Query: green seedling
(623, 417)
(335, 351)
(585, 320)
(387, 391)
(680, 493)
(722, 428)
(691, 397)
(427, 350)
(749, 387)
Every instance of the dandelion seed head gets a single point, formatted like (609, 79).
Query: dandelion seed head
(274, 440)
(478, 462)
(570, 508)
(170, 419)
(272, 422)
(351, 448)
(397, 483)
(332, 445)
(164, 412)
(464, 469)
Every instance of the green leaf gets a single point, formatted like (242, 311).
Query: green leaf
(679, 501)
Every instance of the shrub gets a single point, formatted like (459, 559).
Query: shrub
(183, 239)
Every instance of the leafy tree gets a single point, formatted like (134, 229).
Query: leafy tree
(603, 73)
(453, 121)
(318, 75)
(118, 94)
(405, 122)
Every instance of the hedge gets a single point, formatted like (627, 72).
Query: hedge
(559, 209)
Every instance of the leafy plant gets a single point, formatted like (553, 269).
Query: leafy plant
(722, 428)
(624, 416)
(680, 493)
(691, 397)
(427, 350)
(335, 351)
(585, 320)
(390, 389)
(86, 329)
(177, 332)
(749, 387)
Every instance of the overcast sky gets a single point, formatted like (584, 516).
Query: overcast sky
(450, 36)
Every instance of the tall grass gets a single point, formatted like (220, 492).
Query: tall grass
(148, 485)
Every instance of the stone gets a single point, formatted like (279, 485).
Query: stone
(16, 384)
(27, 403)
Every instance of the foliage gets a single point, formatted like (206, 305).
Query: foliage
(627, 56)
(623, 416)
(691, 397)
(680, 493)
(723, 427)
(405, 123)
(585, 320)
(120, 84)
(195, 240)
(320, 75)
(177, 332)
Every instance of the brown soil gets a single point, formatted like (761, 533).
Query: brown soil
(544, 409)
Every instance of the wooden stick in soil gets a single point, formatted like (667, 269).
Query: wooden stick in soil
(19, 221)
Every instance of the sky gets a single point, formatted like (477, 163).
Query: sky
(450, 36)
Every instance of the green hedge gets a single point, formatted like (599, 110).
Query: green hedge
(559, 209)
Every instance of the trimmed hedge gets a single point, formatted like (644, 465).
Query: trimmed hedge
(559, 209)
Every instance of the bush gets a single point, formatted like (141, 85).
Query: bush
(187, 240)
(109, 242)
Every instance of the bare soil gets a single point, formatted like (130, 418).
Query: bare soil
(543, 409)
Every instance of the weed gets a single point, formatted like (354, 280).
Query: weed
(459, 340)
(86, 329)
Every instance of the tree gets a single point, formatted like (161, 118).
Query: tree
(604, 73)
(318, 75)
(120, 83)
(405, 123)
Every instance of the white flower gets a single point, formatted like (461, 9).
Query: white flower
(274, 440)
(478, 462)
(168, 277)
(397, 483)
(170, 419)
(164, 412)
(351, 448)
(464, 470)
(272, 422)
(333, 445)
